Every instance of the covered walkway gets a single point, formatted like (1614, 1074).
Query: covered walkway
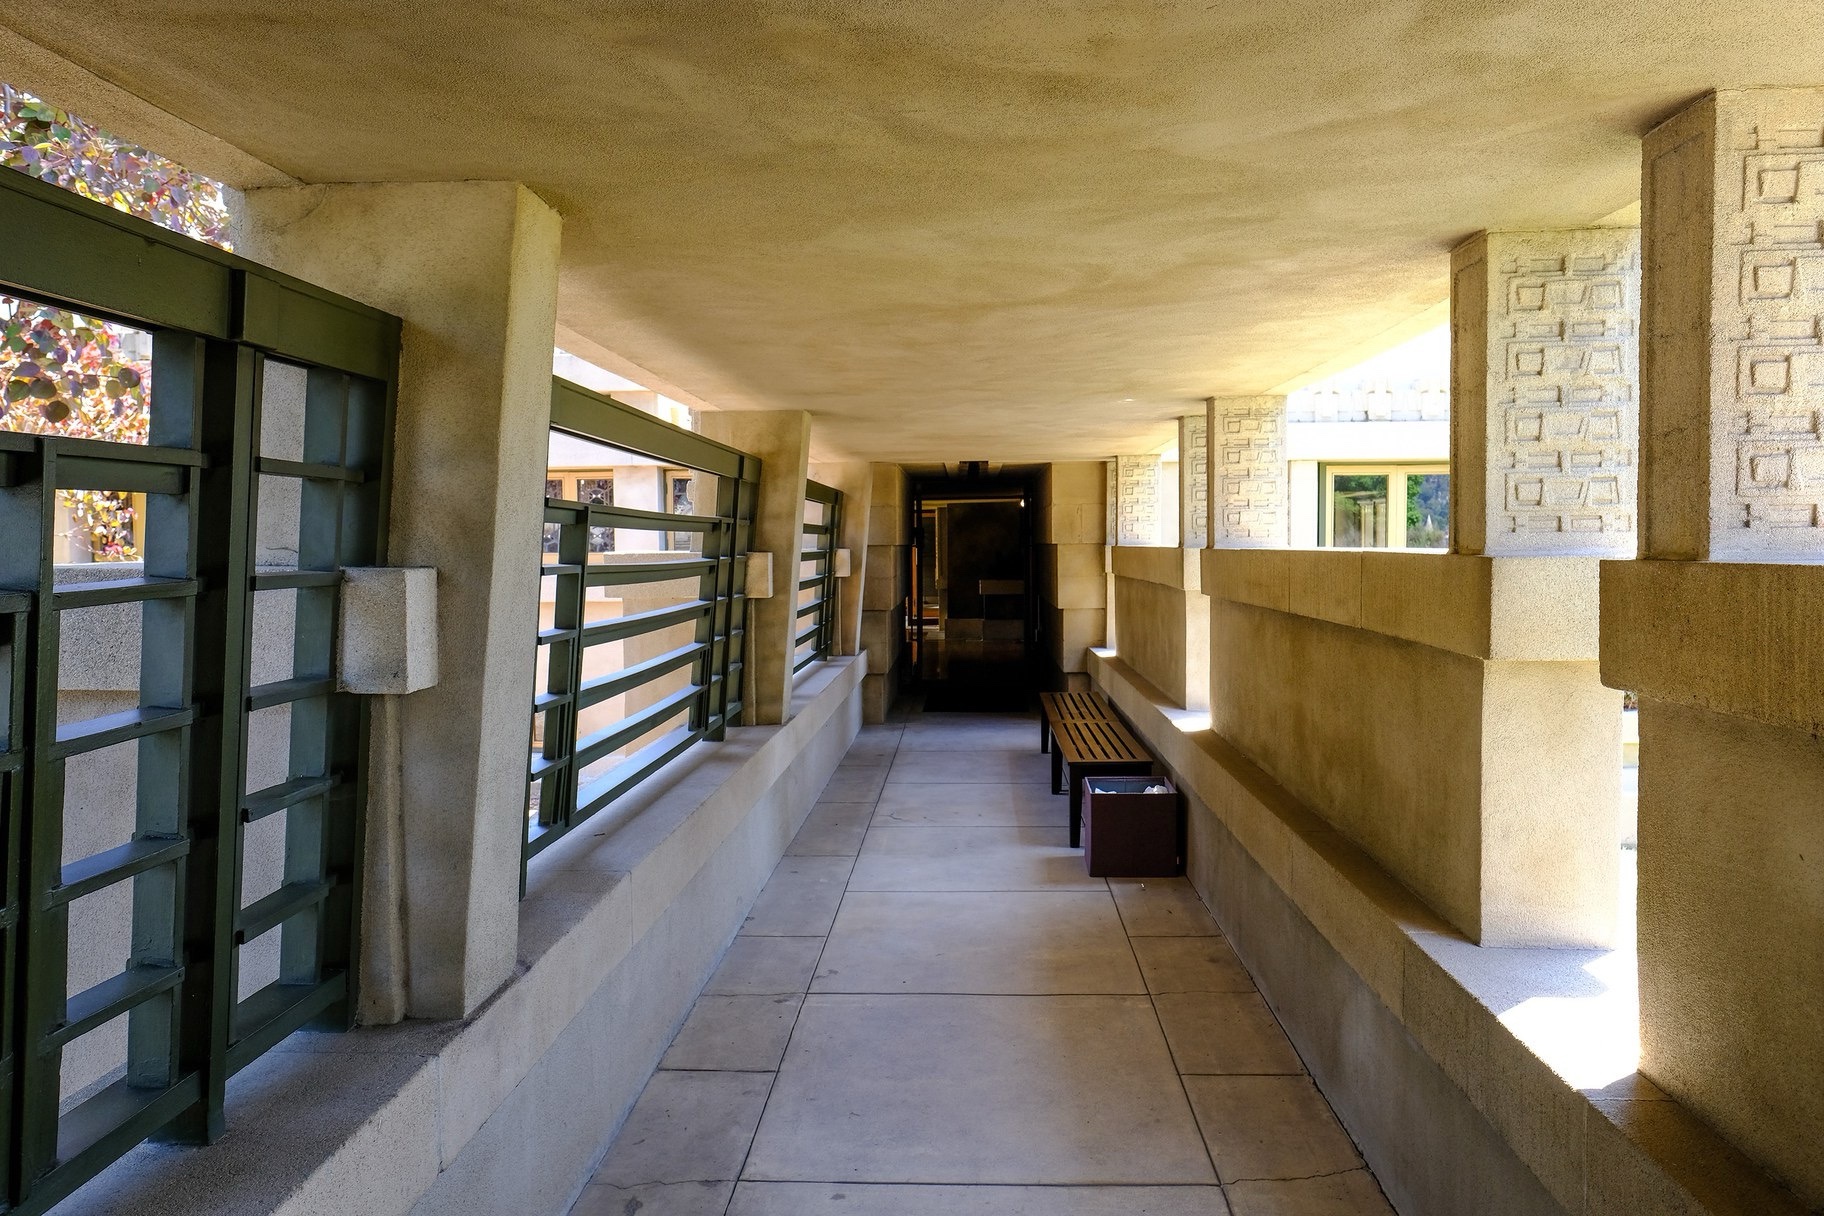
(932, 1009)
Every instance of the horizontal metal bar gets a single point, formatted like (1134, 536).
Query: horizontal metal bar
(106, 868)
(596, 416)
(11, 762)
(14, 602)
(124, 453)
(68, 596)
(275, 1011)
(284, 692)
(262, 914)
(815, 580)
(637, 767)
(636, 623)
(806, 661)
(109, 999)
(548, 636)
(813, 555)
(593, 747)
(122, 476)
(808, 634)
(648, 572)
(93, 734)
(544, 766)
(281, 580)
(93, 1133)
(816, 491)
(559, 568)
(595, 691)
(309, 471)
(275, 798)
(805, 610)
(817, 529)
(609, 515)
(545, 701)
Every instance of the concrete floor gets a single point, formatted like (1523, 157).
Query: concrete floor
(932, 1009)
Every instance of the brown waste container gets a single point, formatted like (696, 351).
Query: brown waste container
(1128, 832)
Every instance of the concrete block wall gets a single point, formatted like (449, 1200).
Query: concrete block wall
(1072, 538)
(1395, 694)
(1164, 619)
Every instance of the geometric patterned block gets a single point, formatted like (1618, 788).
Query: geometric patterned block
(1247, 438)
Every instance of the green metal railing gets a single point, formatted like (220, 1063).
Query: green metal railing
(814, 630)
(214, 494)
(585, 754)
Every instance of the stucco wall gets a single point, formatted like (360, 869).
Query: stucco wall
(1162, 620)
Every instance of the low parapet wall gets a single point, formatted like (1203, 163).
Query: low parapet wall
(1477, 1080)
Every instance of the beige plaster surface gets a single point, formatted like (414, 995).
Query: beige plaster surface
(1016, 231)
(1164, 620)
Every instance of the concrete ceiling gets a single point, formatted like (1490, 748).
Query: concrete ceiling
(962, 229)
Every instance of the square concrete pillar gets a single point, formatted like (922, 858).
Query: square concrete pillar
(1072, 523)
(1247, 472)
(1732, 375)
(782, 441)
(1134, 486)
(1544, 415)
(471, 267)
(1717, 632)
(1194, 480)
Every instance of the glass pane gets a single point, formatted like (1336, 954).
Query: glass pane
(1427, 510)
(1358, 510)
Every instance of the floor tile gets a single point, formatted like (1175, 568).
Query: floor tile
(765, 966)
(832, 829)
(1225, 1032)
(663, 1199)
(1269, 1128)
(1162, 907)
(686, 1127)
(800, 899)
(875, 1199)
(948, 732)
(980, 942)
(962, 805)
(1352, 1194)
(855, 783)
(1190, 964)
(896, 857)
(948, 766)
(734, 1033)
(971, 1089)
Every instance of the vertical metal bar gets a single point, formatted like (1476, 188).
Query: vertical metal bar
(28, 512)
(229, 384)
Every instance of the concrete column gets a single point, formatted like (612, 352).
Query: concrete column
(1073, 567)
(1247, 472)
(1133, 500)
(1194, 480)
(1725, 653)
(1544, 416)
(782, 441)
(471, 267)
(1733, 371)
(884, 589)
(856, 481)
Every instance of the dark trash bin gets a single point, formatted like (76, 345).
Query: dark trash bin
(1128, 832)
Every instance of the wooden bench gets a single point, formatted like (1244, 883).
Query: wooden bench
(1066, 707)
(1088, 747)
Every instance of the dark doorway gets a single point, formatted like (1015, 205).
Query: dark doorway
(973, 624)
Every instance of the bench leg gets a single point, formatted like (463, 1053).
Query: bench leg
(1057, 771)
(1076, 809)
(1044, 733)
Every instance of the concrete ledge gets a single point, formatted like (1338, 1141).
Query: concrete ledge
(1474, 1079)
(1483, 607)
(622, 923)
(1727, 637)
(1181, 569)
